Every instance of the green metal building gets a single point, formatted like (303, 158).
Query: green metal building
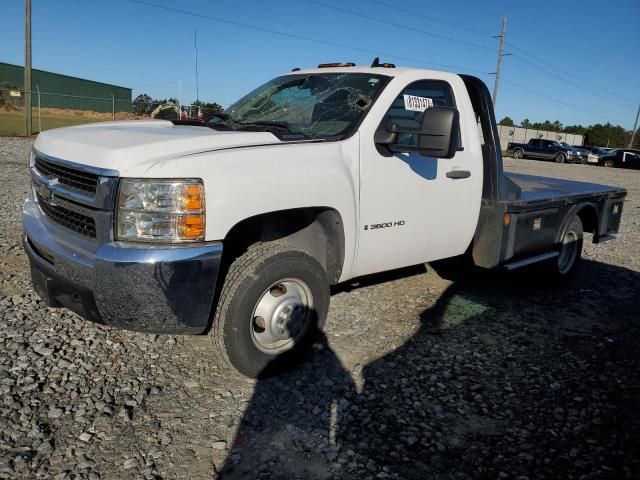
(62, 91)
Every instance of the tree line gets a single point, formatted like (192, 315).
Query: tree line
(599, 134)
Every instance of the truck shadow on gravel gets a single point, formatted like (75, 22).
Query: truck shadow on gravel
(505, 378)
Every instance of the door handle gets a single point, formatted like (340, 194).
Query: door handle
(455, 174)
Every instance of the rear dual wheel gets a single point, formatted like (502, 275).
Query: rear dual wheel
(570, 251)
(571, 248)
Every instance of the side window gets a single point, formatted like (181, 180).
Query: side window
(413, 100)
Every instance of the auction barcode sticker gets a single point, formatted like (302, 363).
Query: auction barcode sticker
(417, 104)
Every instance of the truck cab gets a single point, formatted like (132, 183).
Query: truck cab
(237, 227)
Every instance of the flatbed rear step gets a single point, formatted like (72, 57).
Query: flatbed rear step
(530, 260)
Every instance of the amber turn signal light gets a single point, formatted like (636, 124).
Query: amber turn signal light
(194, 197)
(193, 227)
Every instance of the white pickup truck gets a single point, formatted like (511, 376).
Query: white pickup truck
(238, 226)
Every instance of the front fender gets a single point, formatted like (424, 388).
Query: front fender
(244, 182)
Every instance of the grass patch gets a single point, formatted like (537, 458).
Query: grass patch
(12, 123)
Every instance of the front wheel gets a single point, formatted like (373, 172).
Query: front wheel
(273, 301)
(560, 158)
(608, 163)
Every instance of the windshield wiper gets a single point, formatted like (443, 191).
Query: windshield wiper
(272, 124)
(231, 123)
(266, 123)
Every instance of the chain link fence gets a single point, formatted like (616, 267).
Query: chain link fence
(54, 110)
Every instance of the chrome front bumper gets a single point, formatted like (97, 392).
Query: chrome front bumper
(156, 289)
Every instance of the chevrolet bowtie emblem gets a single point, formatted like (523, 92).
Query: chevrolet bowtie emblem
(44, 189)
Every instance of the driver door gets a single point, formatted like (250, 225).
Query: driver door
(411, 212)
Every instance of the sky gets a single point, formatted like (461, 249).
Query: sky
(573, 61)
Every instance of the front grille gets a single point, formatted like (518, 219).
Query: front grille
(67, 218)
(71, 177)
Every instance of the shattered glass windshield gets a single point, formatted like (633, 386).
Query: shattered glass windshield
(313, 105)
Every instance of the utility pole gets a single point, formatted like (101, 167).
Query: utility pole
(195, 45)
(635, 128)
(500, 55)
(27, 69)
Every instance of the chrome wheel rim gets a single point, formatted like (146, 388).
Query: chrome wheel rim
(568, 252)
(560, 158)
(281, 316)
(517, 154)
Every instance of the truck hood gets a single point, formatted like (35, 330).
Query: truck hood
(132, 147)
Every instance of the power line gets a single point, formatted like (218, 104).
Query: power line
(571, 82)
(523, 52)
(349, 47)
(302, 37)
(559, 101)
(568, 74)
(433, 19)
(398, 25)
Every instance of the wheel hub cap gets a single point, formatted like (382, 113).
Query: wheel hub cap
(282, 315)
(286, 320)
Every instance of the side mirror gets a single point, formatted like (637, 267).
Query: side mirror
(437, 133)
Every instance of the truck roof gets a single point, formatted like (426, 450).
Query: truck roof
(389, 72)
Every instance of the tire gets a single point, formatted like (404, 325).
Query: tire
(608, 164)
(564, 265)
(518, 154)
(560, 157)
(273, 302)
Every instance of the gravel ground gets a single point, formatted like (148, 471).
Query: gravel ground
(417, 377)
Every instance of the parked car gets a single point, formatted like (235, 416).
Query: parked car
(238, 227)
(621, 158)
(598, 151)
(585, 153)
(582, 154)
(544, 149)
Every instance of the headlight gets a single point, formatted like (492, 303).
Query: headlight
(169, 211)
(32, 158)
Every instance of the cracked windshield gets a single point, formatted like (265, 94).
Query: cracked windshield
(315, 105)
